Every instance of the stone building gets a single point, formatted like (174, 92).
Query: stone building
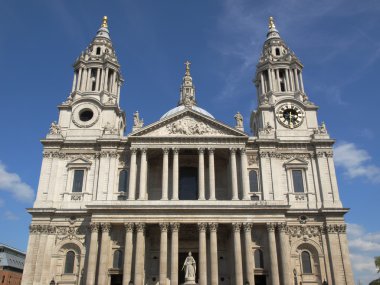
(127, 209)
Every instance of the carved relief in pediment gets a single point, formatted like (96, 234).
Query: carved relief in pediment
(188, 126)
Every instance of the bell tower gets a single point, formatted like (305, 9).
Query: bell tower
(284, 110)
(92, 109)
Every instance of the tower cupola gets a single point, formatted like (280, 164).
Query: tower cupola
(187, 90)
(279, 72)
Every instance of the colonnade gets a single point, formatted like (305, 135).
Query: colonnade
(243, 257)
(175, 175)
(292, 79)
(82, 80)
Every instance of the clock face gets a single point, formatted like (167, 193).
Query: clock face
(290, 115)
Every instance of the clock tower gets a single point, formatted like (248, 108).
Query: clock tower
(284, 111)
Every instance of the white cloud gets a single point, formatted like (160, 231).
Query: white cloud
(11, 182)
(364, 246)
(10, 216)
(356, 162)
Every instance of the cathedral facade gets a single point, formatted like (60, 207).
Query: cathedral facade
(187, 199)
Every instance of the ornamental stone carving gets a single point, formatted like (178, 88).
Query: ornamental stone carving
(304, 231)
(71, 232)
(106, 227)
(247, 227)
(202, 227)
(140, 227)
(236, 227)
(213, 227)
(94, 227)
(174, 227)
(190, 126)
(129, 227)
(164, 227)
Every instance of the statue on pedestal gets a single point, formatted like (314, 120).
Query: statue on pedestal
(190, 268)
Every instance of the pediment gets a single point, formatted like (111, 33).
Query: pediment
(296, 162)
(188, 123)
(79, 162)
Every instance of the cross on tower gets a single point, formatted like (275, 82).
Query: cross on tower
(187, 63)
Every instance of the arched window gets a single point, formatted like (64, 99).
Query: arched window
(306, 262)
(69, 262)
(98, 50)
(253, 182)
(117, 259)
(259, 258)
(277, 51)
(123, 181)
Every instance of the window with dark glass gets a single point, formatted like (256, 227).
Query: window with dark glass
(188, 183)
(69, 262)
(117, 259)
(253, 182)
(78, 180)
(306, 262)
(259, 258)
(298, 181)
(123, 181)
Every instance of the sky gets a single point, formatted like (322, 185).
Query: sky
(337, 42)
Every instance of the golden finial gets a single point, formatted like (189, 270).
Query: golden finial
(271, 23)
(105, 24)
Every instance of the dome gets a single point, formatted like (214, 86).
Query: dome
(182, 107)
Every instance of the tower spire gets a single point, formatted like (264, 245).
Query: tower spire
(272, 31)
(187, 90)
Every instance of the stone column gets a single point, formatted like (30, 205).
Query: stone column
(31, 255)
(83, 81)
(250, 277)
(345, 254)
(40, 254)
(287, 80)
(106, 79)
(174, 254)
(102, 80)
(235, 195)
(237, 254)
(211, 173)
(104, 251)
(270, 79)
(244, 173)
(165, 174)
(143, 175)
(175, 174)
(164, 253)
(301, 82)
(295, 71)
(140, 254)
(214, 253)
(88, 81)
(273, 254)
(132, 175)
(93, 254)
(128, 252)
(285, 251)
(202, 254)
(262, 83)
(79, 79)
(278, 80)
(74, 81)
(291, 76)
(201, 174)
(97, 79)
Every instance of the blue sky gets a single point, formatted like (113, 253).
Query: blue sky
(337, 41)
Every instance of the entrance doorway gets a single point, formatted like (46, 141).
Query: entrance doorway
(181, 259)
(117, 279)
(188, 183)
(260, 280)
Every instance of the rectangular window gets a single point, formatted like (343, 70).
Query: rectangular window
(253, 182)
(123, 181)
(298, 181)
(78, 180)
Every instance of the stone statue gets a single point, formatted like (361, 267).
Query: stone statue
(239, 121)
(54, 129)
(137, 122)
(190, 268)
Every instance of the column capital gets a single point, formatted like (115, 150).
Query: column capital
(271, 227)
(213, 227)
(247, 227)
(174, 227)
(106, 227)
(133, 150)
(202, 227)
(236, 227)
(93, 227)
(129, 227)
(282, 227)
(164, 227)
(140, 227)
(233, 150)
(165, 150)
(201, 150)
(143, 150)
(175, 150)
(242, 150)
(211, 150)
